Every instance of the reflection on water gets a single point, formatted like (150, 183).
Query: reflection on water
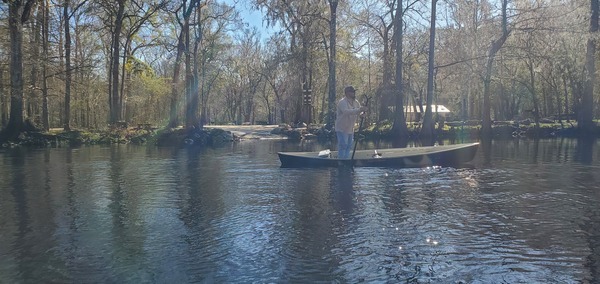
(524, 211)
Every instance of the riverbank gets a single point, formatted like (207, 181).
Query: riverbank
(215, 135)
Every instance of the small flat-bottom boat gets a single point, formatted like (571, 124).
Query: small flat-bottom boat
(412, 157)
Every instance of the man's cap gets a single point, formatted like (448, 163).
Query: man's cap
(349, 89)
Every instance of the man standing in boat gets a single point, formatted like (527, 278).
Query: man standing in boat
(348, 109)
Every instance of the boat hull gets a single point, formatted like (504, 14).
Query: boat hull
(415, 157)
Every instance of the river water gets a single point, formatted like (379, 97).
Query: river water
(523, 211)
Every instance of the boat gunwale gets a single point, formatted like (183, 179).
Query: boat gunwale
(442, 148)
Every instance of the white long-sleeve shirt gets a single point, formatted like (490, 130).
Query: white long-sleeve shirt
(347, 112)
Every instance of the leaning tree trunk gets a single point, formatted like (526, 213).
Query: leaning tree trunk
(486, 126)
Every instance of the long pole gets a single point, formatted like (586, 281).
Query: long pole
(362, 118)
(356, 140)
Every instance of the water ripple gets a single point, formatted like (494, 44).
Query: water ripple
(129, 214)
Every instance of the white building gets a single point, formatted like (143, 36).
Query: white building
(413, 112)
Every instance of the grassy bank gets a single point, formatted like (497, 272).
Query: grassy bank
(136, 136)
(215, 136)
(500, 130)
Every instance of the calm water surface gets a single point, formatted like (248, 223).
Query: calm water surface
(522, 212)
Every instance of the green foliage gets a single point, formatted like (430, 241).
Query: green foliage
(138, 67)
(380, 129)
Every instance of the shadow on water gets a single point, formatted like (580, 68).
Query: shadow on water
(27, 217)
(591, 224)
(486, 147)
(584, 150)
(126, 244)
(22, 216)
(586, 179)
(342, 190)
(202, 209)
(314, 215)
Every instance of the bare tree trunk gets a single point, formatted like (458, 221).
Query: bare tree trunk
(3, 102)
(486, 127)
(304, 114)
(45, 37)
(19, 12)
(399, 129)
(115, 109)
(34, 43)
(331, 103)
(428, 127)
(200, 76)
(82, 115)
(15, 122)
(174, 120)
(182, 48)
(66, 16)
(124, 79)
(204, 91)
(238, 112)
(189, 78)
(196, 122)
(586, 123)
(536, 104)
(566, 96)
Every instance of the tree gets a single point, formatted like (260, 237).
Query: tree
(273, 75)
(134, 22)
(186, 9)
(486, 127)
(180, 49)
(461, 51)
(45, 12)
(125, 19)
(19, 13)
(303, 22)
(190, 103)
(428, 124)
(249, 65)
(399, 129)
(210, 40)
(113, 94)
(3, 103)
(33, 50)
(585, 123)
(379, 18)
(68, 76)
(331, 103)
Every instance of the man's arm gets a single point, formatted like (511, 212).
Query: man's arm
(346, 110)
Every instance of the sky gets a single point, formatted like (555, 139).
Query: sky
(253, 17)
